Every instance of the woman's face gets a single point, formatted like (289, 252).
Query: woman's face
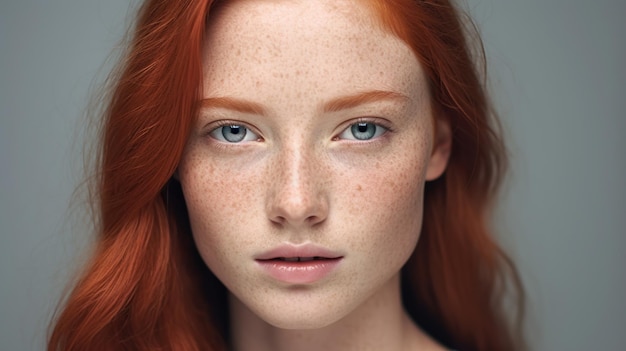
(304, 173)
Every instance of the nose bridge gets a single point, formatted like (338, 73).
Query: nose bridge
(297, 195)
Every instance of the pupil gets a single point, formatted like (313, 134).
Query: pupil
(234, 133)
(363, 131)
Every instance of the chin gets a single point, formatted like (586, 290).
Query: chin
(300, 310)
(301, 321)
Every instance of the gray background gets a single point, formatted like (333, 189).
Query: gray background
(558, 77)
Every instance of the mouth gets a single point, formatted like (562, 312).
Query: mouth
(301, 259)
(299, 269)
(298, 253)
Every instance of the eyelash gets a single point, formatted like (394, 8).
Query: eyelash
(378, 122)
(225, 123)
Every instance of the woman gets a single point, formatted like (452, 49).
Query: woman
(295, 175)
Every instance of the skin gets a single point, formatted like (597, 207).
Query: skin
(299, 176)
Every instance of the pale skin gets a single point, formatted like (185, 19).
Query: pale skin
(294, 77)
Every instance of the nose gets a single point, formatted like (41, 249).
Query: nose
(297, 196)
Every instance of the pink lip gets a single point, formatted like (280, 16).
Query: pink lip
(298, 264)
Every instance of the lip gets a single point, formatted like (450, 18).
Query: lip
(299, 264)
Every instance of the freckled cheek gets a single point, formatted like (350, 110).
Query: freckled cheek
(386, 205)
(221, 205)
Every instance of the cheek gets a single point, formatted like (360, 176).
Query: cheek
(388, 202)
(219, 190)
(219, 205)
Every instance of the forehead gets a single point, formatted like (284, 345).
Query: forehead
(330, 47)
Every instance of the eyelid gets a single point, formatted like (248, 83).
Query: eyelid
(222, 123)
(381, 122)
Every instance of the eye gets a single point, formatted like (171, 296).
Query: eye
(233, 133)
(362, 131)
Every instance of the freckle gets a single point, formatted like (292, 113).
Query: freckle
(358, 187)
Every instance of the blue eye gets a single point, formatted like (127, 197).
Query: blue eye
(362, 131)
(233, 133)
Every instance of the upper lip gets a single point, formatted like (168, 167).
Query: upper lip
(307, 250)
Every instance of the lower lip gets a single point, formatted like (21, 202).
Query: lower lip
(307, 272)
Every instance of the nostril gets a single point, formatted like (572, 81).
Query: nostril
(291, 206)
(314, 220)
(278, 219)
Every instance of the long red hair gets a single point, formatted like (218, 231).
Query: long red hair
(146, 287)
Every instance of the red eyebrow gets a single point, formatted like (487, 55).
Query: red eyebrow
(234, 104)
(351, 101)
(334, 105)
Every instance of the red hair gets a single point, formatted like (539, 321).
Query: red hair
(454, 285)
(147, 288)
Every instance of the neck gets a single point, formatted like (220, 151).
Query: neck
(380, 323)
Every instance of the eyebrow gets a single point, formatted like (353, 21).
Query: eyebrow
(238, 105)
(350, 101)
(334, 105)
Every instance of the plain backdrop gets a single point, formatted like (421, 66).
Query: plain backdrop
(558, 78)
